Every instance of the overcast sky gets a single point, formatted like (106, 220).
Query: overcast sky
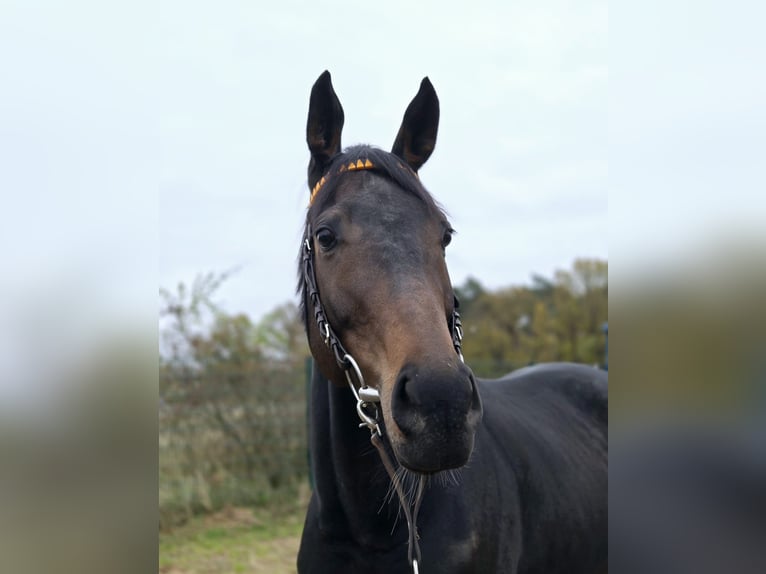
(520, 162)
(147, 143)
(202, 106)
(143, 143)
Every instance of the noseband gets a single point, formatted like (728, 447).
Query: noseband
(366, 397)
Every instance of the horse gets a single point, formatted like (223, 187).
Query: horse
(506, 475)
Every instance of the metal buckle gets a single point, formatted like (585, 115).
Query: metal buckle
(369, 395)
(365, 396)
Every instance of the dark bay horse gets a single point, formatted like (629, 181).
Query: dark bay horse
(507, 475)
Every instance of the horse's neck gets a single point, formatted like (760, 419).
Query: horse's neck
(349, 478)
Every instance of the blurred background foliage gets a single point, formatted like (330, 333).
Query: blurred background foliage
(232, 405)
(232, 411)
(554, 319)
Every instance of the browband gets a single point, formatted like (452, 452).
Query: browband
(352, 166)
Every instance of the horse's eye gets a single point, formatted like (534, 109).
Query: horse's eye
(326, 239)
(447, 238)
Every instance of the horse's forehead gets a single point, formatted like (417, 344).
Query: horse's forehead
(379, 205)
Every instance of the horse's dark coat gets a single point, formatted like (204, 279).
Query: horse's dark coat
(532, 497)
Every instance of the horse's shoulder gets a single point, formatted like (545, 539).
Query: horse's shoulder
(549, 421)
(582, 386)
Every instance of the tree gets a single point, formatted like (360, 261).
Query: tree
(232, 395)
(553, 319)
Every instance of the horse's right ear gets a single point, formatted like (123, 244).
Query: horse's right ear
(324, 126)
(417, 135)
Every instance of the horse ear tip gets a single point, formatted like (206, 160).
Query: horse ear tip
(427, 87)
(324, 78)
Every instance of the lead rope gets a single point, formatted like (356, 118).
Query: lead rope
(367, 397)
(413, 547)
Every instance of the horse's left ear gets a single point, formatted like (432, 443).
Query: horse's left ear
(417, 135)
(324, 126)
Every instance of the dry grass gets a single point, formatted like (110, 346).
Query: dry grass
(235, 540)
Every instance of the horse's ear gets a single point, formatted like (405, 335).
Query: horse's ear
(417, 135)
(324, 126)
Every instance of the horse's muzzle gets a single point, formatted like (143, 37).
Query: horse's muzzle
(436, 412)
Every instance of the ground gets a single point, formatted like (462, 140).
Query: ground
(235, 540)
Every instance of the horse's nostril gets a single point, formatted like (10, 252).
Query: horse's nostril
(402, 402)
(410, 387)
(440, 399)
(402, 387)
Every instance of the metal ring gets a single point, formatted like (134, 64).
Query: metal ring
(357, 372)
(364, 394)
(353, 388)
(367, 420)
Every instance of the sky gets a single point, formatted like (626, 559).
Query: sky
(168, 140)
(142, 144)
(520, 162)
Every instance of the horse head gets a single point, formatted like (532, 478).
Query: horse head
(375, 283)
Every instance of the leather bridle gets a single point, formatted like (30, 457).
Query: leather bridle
(367, 398)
